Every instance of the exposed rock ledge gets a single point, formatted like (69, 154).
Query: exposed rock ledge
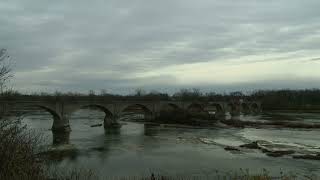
(279, 150)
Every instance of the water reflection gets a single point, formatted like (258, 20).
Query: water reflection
(151, 130)
(61, 148)
(112, 132)
(107, 143)
(64, 150)
(60, 138)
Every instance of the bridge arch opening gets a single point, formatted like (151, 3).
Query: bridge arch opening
(214, 108)
(36, 110)
(198, 111)
(98, 107)
(38, 118)
(234, 110)
(195, 108)
(170, 112)
(254, 108)
(170, 108)
(91, 115)
(231, 107)
(33, 110)
(135, 112)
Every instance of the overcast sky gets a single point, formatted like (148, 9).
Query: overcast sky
(164, 45)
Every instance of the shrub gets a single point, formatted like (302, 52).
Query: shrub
(19, 149)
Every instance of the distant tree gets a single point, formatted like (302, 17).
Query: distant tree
(188, 95)
(236, 94)
(212, 96)
(92, 93)
(11, 92)
(103, 92)
(5, 69)
(44, 94)
(154, 92)
(57, 93)
(196, 92)
(140, 92)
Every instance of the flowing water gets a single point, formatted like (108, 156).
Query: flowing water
(137, 149)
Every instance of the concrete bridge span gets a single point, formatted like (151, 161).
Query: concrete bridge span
(62, 109)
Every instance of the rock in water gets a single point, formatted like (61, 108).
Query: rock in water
(280, 153)
(308, 156)
(96, 125)
(231, 148)
(253, 145)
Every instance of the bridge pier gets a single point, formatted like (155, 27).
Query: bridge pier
(235, 111)
(61, 124)
(246, 111)
(61, 138)
(220, 115)
(111, 122)
(235, 116)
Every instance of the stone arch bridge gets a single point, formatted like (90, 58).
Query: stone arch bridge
(61, 109)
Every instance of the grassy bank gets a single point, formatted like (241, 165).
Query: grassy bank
(236, 175)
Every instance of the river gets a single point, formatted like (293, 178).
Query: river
(138, 149)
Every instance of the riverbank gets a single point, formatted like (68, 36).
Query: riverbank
(279, 124)
(278, 150)
(242, 174)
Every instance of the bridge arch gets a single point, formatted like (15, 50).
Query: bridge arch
(198, 111)
(218, 107)
(254, 107)
(173, 106)
(231, 107)
(56, 117)
(215, 110)
(99, 107)
(130, 110)
(142, 106)
(109, 116)
(33, 107)
(170, 112)
(195, 107)
(54, 114)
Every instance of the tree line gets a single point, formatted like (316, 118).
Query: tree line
(285, 98)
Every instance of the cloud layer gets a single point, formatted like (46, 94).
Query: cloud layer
(121, 45)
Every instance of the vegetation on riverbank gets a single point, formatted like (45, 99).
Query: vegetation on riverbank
(240, 175)
(19, 150)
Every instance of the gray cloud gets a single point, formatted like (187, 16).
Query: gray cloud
(81, 45)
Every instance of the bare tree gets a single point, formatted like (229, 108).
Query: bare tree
(140, 92)
(92, 93)
(5, 69)
(103, 92)
(19, 147)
